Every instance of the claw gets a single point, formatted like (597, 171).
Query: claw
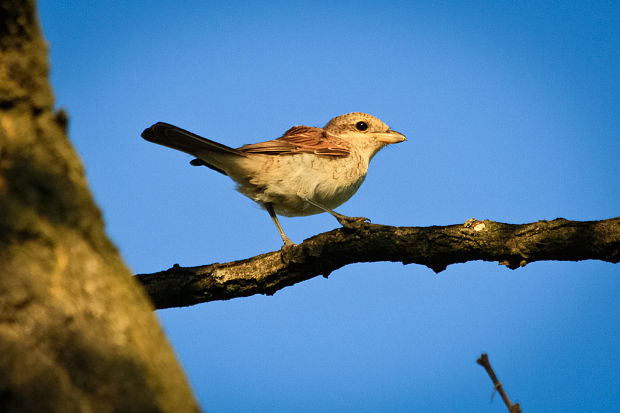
(287, 252)
(288, 243)
(351, 222)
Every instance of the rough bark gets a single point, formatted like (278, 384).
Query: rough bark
(436, 247)
(77, 332)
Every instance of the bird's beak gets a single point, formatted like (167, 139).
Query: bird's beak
(391, 136)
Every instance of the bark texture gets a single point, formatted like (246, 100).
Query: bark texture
(436, 247)
(77, 332)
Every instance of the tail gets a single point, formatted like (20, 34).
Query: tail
(176, 138)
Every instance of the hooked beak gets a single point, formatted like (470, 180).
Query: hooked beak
(391, 136)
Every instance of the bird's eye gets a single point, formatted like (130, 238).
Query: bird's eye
(361, 126)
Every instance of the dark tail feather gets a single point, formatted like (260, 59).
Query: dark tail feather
(185, 141)
(200, 162)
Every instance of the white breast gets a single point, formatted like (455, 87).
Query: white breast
(285, 180)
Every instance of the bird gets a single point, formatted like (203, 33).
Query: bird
(306, 171)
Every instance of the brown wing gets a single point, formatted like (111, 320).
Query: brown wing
(301, 139)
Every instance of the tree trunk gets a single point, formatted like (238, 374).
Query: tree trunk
(77, 333)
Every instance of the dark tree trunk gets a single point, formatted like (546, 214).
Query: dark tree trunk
(76, 331)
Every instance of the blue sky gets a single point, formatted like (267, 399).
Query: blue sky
(512, 111)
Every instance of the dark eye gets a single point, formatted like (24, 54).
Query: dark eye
(361, 126)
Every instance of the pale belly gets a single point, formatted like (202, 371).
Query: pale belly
(288, 180)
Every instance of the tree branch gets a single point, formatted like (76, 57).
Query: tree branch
(436, 247)
(483, 360)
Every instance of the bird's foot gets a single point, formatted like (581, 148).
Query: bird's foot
(351, 222)
(288, 244)
(287, 252)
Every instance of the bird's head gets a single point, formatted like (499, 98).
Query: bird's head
(363, 132)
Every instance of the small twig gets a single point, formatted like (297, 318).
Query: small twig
(484, 362)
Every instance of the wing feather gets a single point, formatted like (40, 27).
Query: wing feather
(301, 139)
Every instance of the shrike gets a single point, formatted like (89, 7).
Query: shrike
(306, 171)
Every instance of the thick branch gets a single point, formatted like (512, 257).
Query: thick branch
(436, 247)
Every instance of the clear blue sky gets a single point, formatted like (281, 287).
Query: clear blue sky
(512, 110)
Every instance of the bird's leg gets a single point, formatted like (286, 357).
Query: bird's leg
(274, 217)
(345, 221)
